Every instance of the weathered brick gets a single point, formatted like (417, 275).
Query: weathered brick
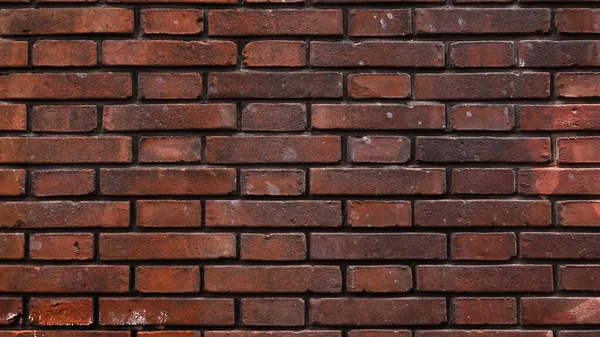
(379, 85)
(61, 311)
(379, 279)
(12, 246)
(169, 85)
(274, 117)
(560, 117)
(11, 311)
(12, 182)
(469, 117)
(172, 21)
(483, 333)
(483, 181)
(278, 333)
(59, 53)
(64, 118)
(275, 54)
(13, 117)
(560, 310)
(376, 149)
(13, 53)
(577, 20)
(62, 333)
(578, 213)
(577, 84)
(273, 247)
(484, 246)
(579, 277)
(484, 310)
(560, 246)
(538, 181)
(273, 311)
(61, 246)
(534, 53)
(168, 213)
(170, 149)
(390, 22)
(379, 213)
(272, 182)
(158, 279)
(578, 150)
(494, 54)
(47, 183)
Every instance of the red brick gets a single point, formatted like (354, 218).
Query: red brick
(379, 213)
(61, 246)
(12, 182)
(379, 85)
(169, 333)
(166, 246)
(64, 53)
(166, 311)
(272, 279)
(482, 117)
(225, 22)
(64, 214)
(275, 85)
(378, 311)
(169, 85)
(62, 333)
(13, 117)
(396, 246)
(375, 181)
(483, 279)
(379, 333)
(379, 279)
(273, 247)
(577, 84)
(377, 54)
(483, 181)
(47, 183)
(272, 182)
(390, 22)
(278, 333)
(379, 116)
(483, 333)
(578, 150)
(172, 21)
(168, 53)
(61, 311)
(12, 246)
(297, 213)
(189, 2)
(536, 181)
(484, 246)
(275, 54)
(579, 277)
(482, 20)
(64, 118)
(13, 53)
(11, 311)
(44, 21)
(484, 310)
(579, 333)
(578, 213)
(65, 85)
(577, 20)
(482, 54)
(168, 213)
(482, 85)
(64, 279)
(560, 246)
(274, 117)
(560, 117)
(273, 311)
(157, 279)
(378, 149)
(558, 53)
(170, 149)
(563, 310)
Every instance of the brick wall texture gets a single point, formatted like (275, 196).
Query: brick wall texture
(282, 168)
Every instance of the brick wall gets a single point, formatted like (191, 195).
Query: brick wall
(278, 168)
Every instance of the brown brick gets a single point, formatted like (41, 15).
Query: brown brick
(61, 311)
(61, 246)
(158, 279)
(577, 84)
(577, 20)
(12, 246)
(483, 181)
(482, 117)
(273, 311)
(272, 182)
(168, 213)
(11, 311)
(64, 118)
(563, 310)
(379, 213)
(274, 117)
(559, 181)
(484, 310)
(13, 53)
(169, 333)
(62, 333)
(378, 149)
(483, 333)
(47, 183)
(379, 333)
(273, 247)
(558, 53)
(13, 117)
(482, 54)
(169, 85)
(560, 117)
(275, 54)
(172, 21)
(578, 213)
(170, 149)
(390, 22)
(560, 246)
(379, 85)
(60, 53)
(484, 246)
(278, 333)
(12, 182)
(379, 279)
(579, 277)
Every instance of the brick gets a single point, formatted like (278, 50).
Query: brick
(536, 181)
(577, 20)
(482, 20)
(169, 117)
(397, 246)
(377, 54)
(390, 22)
(275, 54)
(484, 279)
(379, 333)
(560, 117)
(577, 213)
(484, 310)
(226, 22)
(13, 53)
(273, 247)
(168, 213)
(170, 149)
(47, 183)
(169, 333)
(55, 150)
(378, 311)
(172, 21)
(272, 182)
(64, 279)
(64, 53)
(297, 213)
(482, 86)
(166, 246)
(158, 279)
(579, 277)
(563, 310)
(558, 53)
(12, 182)
(578, 149)
(469, 117)
(169, 85)
(65, 85)
(494, 54)
(269, 279)
(376, 149)
(61, 311)
(560, 246)
(13, 117)
(62, 333)
(378, 86)
(168, 53)
(273, 311)
(275, 85)
(484, 333)
(11, 311)
(274, 117)
(61, 246)
(379, 213)
(373, 181)
(577, 84)
(482, 213)
(64, 118)
(44, 21)
(189, 2)
(379, 279)
(276, 149)
(578, 333)
(12, 246)
(483, 181)
(64, 214)
(278, 333)
(483, 246)
(166, 311)
(379, 116)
